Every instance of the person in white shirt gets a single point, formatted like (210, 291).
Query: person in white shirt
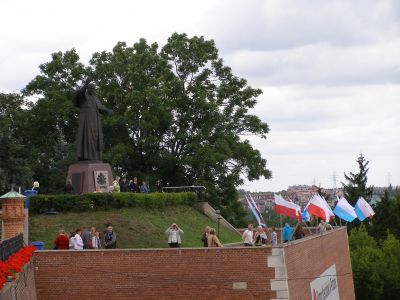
(174, 236)
(324, 226)
(247, 236)
(78, 242)
(96, 240)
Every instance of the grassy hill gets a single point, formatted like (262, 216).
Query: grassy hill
(135, 227)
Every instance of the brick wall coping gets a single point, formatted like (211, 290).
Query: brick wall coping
(313, 236)
(150, 249)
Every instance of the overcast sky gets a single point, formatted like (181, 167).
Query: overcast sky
(329, 70)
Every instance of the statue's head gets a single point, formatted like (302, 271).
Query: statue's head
(91, 88)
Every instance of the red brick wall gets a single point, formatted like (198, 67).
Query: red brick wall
(153, 274)
(191, 273)
(23, 287)
(310, 257)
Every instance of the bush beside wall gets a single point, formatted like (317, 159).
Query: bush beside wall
(101, 201)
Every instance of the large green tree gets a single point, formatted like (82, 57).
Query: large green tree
(52, 120)
(14, 164)
(180, 116)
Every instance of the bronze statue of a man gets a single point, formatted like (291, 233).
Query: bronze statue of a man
(90, 134)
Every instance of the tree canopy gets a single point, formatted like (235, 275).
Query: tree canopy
(180, 116)
(14, 164)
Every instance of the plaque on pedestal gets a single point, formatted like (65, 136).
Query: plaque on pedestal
(90, 176)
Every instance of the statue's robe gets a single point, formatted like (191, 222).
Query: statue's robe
(90, 134)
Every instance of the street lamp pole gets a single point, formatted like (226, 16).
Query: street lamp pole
(218, 220)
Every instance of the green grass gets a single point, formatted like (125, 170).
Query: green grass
(135, 227)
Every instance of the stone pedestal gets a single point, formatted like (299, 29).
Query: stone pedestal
(90, 176)
(13, 215)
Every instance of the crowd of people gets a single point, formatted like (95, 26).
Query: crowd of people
(83, 238)
(134, 185)
(118, 185)
(259, 237)
(262, 234)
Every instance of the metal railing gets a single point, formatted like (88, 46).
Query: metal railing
(198, 189)
(10, 246)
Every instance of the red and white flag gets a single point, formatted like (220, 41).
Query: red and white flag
(287, 208)
(318, 206)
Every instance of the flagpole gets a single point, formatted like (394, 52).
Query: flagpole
(308, 227)
(280, 219)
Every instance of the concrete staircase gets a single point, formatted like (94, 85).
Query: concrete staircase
(210, 212)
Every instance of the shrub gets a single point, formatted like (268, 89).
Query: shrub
(102, 201)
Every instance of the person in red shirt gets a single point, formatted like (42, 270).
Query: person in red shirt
(62, 241)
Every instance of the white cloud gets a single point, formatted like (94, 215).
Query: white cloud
(281, 24)
(321, 64)
(318, 130)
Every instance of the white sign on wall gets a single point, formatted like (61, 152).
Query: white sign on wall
(325, 287)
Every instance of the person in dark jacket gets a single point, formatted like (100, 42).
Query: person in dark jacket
(87, 238)
(299, 232)
(110, 238)
(204, 236)
(124, 185)
(134, 186)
